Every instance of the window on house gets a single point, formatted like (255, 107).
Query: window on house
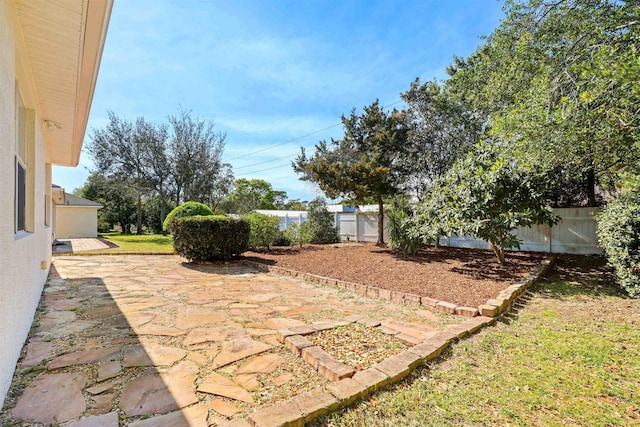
(24, 165)
(47, 195)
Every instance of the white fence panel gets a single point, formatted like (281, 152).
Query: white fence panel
(367, 227)
(347, 226)
(360, 226)
(575, 233)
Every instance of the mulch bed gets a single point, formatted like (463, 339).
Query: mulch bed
(465, 277)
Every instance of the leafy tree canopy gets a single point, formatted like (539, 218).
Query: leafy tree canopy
(365, 163)
(251, 194)
(488, 195)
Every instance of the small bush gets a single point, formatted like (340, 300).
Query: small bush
(264, 229)
(282, 240)
(184, 210)
(208, 238)
(298, 234)
(403, 230)
(619, 235)
(321, 223)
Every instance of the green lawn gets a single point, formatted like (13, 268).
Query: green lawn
(139, 243)
(569, 357)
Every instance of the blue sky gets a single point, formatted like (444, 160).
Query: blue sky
(270, 73)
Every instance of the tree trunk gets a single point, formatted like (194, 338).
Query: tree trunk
(139, 222)
(163, 212)
(437, 242)
(591, 187)
(380, 222)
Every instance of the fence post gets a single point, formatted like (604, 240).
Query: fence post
(357, 227)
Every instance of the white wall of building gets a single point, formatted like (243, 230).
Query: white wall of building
(74, 222)
(24, 257)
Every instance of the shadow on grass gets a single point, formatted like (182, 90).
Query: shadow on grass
(580, 275)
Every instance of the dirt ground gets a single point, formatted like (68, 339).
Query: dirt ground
(465, 277)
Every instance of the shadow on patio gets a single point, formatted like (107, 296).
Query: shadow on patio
(83, 359)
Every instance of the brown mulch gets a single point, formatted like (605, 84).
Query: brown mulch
(465, 277)
(357, 345)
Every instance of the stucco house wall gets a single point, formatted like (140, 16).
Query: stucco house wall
(49, 59)
(25, 256)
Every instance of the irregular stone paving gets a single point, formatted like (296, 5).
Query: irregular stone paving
(155, 341)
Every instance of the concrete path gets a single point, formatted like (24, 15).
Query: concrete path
(155, 341)
(77, 245)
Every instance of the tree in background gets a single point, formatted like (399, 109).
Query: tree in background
(251, 194)
(152, 210)
(157, 167)
(180, 162)
(441, 130)
(296, 205)
(117, 151)
(115, 195)
(196, 156)
(364, 164)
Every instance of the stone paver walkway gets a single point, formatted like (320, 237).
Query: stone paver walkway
(154, 341)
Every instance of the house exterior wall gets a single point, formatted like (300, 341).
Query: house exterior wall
(25, 257)
(74, 222)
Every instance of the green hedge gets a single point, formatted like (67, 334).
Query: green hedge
(184, 210)
(208, 238)
(619, 235)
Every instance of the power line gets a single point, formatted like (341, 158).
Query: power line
(266, 161)
(283, 143)
(270, 147)
(263, 170)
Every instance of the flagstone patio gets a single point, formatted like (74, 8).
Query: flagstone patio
(153, 340)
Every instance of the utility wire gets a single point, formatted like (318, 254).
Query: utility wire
(263, 170)
(283, 143)
(266, 161)
(270, 147)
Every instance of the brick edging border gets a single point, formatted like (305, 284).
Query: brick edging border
(492, 308)
(305, 407)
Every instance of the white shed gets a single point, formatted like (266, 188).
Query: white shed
(75, 217)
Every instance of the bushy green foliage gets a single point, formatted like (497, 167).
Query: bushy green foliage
(298, 234)
(281, 240)
(185, 210)
(152, 210)
(321, 223)
(403, 230)
(619, 235)
(264, 229)
(207, 238)
(488, 195)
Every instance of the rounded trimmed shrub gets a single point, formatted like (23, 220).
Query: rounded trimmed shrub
(210, 238)
(184, 210)
(619, 235)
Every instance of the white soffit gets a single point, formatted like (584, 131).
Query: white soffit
(64, 41)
